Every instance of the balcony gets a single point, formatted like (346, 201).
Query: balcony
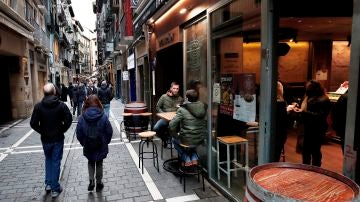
(41, 39)
(114, 5)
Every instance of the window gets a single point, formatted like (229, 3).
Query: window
(29, 12)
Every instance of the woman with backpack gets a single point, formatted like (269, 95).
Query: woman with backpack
(94, 133)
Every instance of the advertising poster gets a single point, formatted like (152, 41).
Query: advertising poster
(245, 97)
(226, 95)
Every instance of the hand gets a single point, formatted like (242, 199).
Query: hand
(296, 109)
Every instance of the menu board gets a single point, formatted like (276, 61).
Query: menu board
(238, 97)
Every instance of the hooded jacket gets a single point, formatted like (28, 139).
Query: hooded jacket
(104, 94)
(51, 118)
(190, 122)
(94, 115)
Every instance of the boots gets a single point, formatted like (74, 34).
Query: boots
(99, 186)
(91, 185)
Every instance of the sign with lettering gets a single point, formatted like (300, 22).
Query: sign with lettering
(131, 62)
(168, 39)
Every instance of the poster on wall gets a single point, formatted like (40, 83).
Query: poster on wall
(231, 51)
(216, 93)
(245, 97)
(226, 95)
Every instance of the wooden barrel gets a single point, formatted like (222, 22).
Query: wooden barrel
(298, 182)
(136, 122)
(135, 108)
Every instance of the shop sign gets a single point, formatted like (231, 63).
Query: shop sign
(168, 39)
(130, 62)
(109, 47)
(231, 52)
(125, 75)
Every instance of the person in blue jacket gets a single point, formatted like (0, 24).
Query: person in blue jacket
(94, 122)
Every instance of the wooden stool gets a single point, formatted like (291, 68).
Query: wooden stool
(195, 169)
(147, 137)
(231, 141)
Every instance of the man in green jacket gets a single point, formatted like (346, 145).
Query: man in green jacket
(188, 127)
(168, 102)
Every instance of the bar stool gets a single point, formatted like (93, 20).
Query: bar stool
(147, 137)
(231, 141)
(190, 170)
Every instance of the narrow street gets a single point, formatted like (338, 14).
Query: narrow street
(22, 166)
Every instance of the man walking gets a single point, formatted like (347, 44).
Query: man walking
(51, 118)
(105, 96)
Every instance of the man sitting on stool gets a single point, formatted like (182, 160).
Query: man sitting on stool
(188, 127)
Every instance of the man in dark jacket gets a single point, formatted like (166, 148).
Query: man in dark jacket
(190, 119)
(105, 96)
(91, 89)
(70, 92)
(51, 118)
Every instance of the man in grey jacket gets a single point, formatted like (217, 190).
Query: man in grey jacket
(168, 102)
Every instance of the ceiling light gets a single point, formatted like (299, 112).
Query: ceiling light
(183, 10)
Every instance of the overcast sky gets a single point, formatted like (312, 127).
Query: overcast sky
(84, 13)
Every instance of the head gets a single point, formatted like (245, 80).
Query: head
(194, 84)
(192, 95)
(49, 89)
(174, 88)
(92, 101)
(314, 89)
(90, 83)
(103, 83)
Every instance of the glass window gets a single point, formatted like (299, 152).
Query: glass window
(195, 38)
(235, 76)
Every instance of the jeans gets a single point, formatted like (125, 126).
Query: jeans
(95, 168)
(161, 127)
(53, 155)
(107, 109)
(78, 106)
(186, 156)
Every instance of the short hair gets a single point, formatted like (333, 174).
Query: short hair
(92, 101)
(192, 95)
(49, 89)
(103, 82)
(174, 83)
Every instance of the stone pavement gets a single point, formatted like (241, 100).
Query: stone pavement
(22, 170)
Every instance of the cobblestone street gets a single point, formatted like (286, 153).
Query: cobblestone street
(22, 170)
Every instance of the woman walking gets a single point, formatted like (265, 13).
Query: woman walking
(94, 133)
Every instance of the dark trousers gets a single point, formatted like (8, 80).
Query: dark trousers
(312, 149)
(95, 170)
(53, 155)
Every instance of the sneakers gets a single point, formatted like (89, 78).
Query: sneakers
(55, 194)
(48, 188)
(91, 185)
(99, 187)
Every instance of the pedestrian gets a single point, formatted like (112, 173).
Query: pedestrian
(91, 89)
(168, 102)
(70, 92)
(314, 111)
(64, 93)
(105, 96)
(51, 118)
(80, 94)
(188, 127)
(94, 133)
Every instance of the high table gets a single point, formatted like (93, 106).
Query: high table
(168, 116)
(171, 165)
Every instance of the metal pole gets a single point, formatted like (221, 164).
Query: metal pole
(269, 24)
